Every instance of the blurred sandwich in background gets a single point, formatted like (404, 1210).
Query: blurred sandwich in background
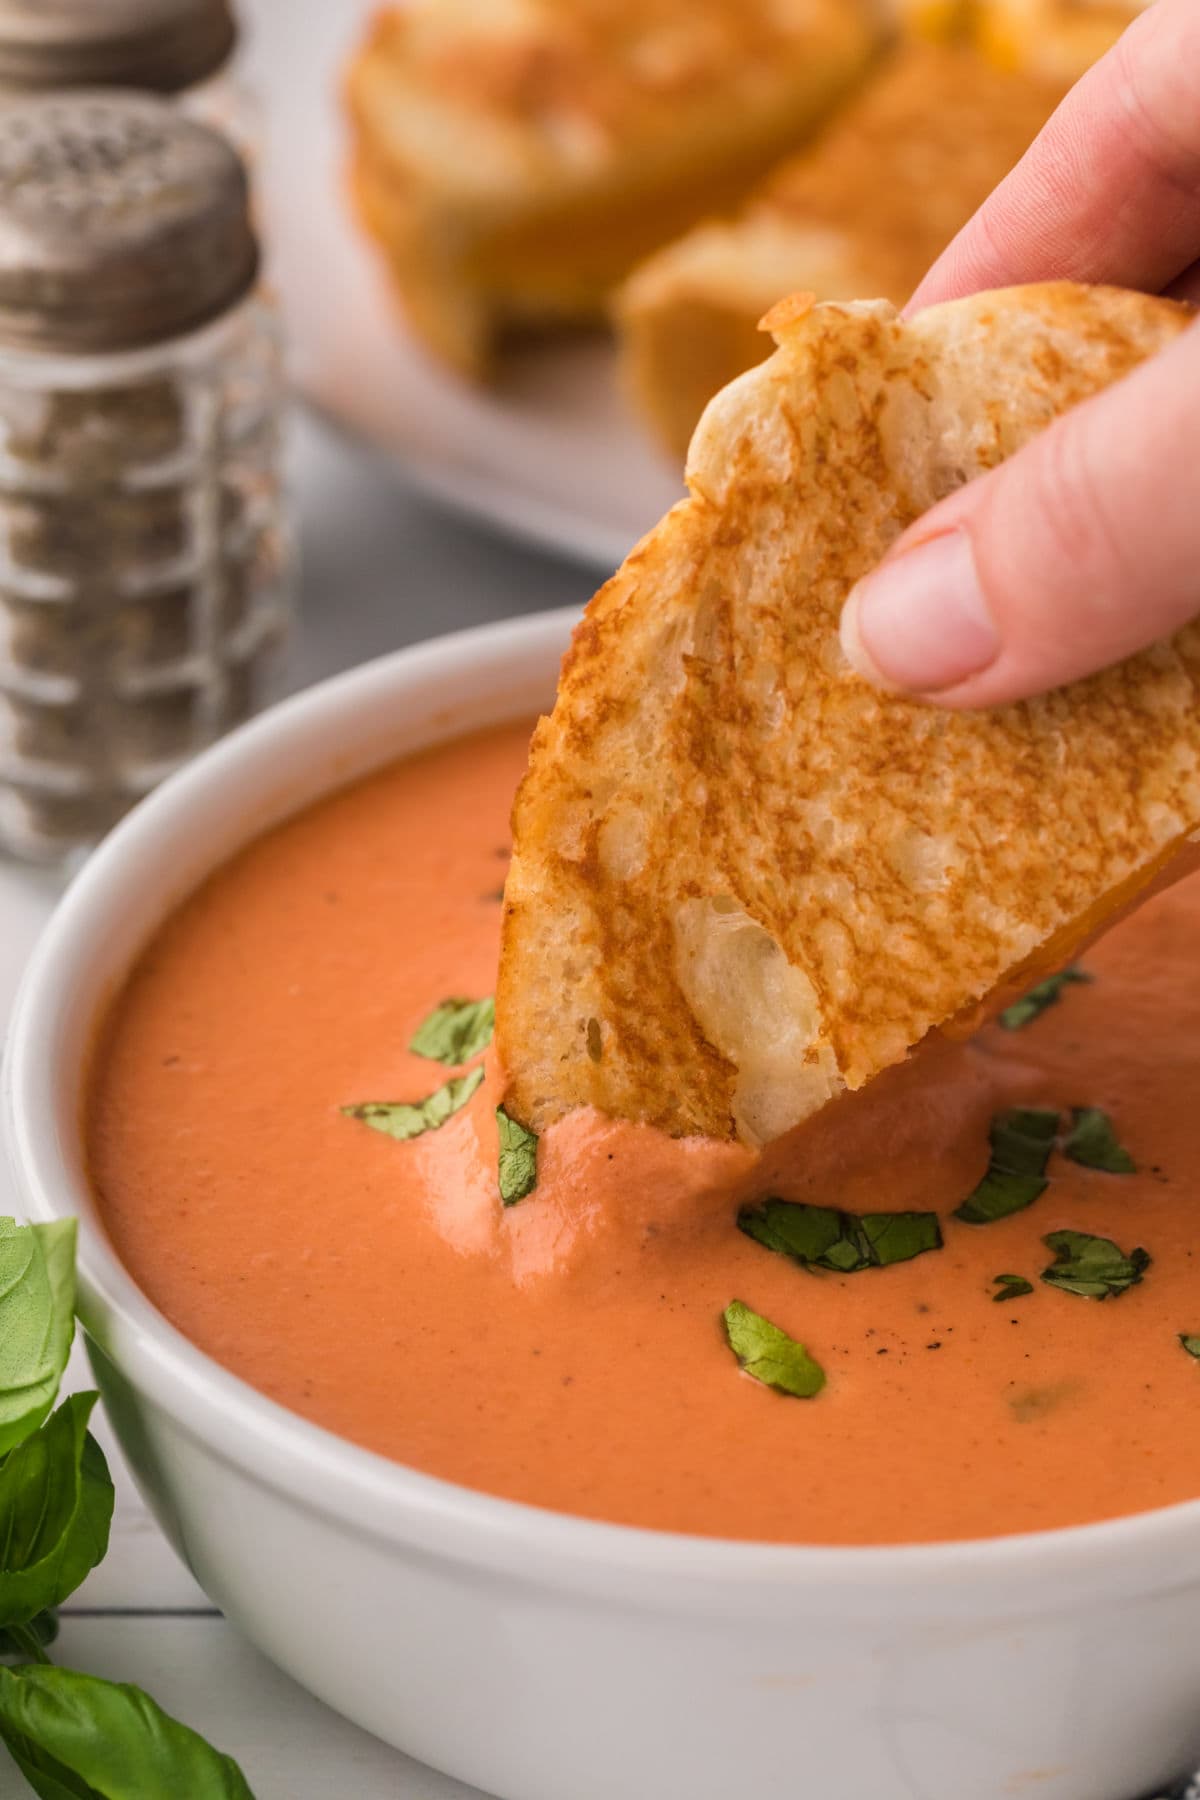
(868, 207)
(1057, 39)
(516, 158)
(864, 212)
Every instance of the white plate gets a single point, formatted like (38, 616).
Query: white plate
(552, 454)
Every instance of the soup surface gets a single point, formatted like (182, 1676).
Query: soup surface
(569, 1350)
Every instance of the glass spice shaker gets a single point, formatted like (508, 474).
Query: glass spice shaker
(144, 557)
(181, 48)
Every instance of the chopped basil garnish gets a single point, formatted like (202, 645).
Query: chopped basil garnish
(1021, 1141)
(770, 1355)
(404, 1119)
(518, 1158)
(1191, 1343)
(824, 1238)
(1011, 1287)
(1093, 1142)
(1030, 1006)
(1092, 1266)
(455, 1031)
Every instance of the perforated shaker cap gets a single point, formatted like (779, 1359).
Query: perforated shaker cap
(160, 45)
(122, 223)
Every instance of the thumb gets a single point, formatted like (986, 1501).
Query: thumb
(1079, 551)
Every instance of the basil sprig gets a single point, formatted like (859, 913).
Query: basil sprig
(72, 1736)
(1030, 1006)
(1093, 1267)
(822, 1237)
(770, 1355)
(37, 1322)
(455, 1031)
(26, 1642)
(56, 1504)
(75, 1735)
(1021, 1140)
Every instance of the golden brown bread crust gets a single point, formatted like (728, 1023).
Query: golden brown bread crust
(519, 156)
(865, 211)
(743, 880)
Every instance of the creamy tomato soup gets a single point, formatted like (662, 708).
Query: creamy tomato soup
(569, 1350)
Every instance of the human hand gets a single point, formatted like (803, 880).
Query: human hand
(1085, 547)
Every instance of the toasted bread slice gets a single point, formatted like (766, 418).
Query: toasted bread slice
(515, 158)
(743, 880)
(865, 211)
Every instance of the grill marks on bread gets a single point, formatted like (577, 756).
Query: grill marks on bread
(747, 877)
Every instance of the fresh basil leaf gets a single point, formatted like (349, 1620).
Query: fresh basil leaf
(1011, 1287)
(1092, 1266)
(823, 1238)
(518, 1158)
(37, 1322)
(455, 1031)
(770, 1355)
(56, 1503)
(404, 1119)
(1092, 1142)
(75, 1735)
(1021, 1140)
(1030, 1006)
(15, 1640)
(1191, 1343)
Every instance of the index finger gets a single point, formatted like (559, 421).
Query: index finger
(1110, 189)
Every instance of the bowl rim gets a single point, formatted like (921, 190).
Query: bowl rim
(360, 1488)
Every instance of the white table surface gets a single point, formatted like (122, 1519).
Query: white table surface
(380, 569)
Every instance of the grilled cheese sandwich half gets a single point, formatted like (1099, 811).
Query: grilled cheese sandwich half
(515, 158)
(744, 881)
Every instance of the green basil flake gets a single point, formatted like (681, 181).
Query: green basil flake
(403, 1119)
(518, 1158)
(1092, 1266)
(1092, 1142)
(822, 1237)
(455, 1031)
(37, 1322)
(770, 1355)
(1011, 1287)
(1030, 1006)
(75, 1737)
(56, 1504)
(1191, 1343)
(1021, 1141)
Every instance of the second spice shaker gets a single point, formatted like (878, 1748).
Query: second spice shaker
(144, 568)
(178, 47)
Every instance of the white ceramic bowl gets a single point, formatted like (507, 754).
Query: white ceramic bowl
(539, 1656)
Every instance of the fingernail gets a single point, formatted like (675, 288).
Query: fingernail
(919, 622)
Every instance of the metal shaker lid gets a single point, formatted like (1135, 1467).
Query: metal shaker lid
(162, 45)
(121, 222)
